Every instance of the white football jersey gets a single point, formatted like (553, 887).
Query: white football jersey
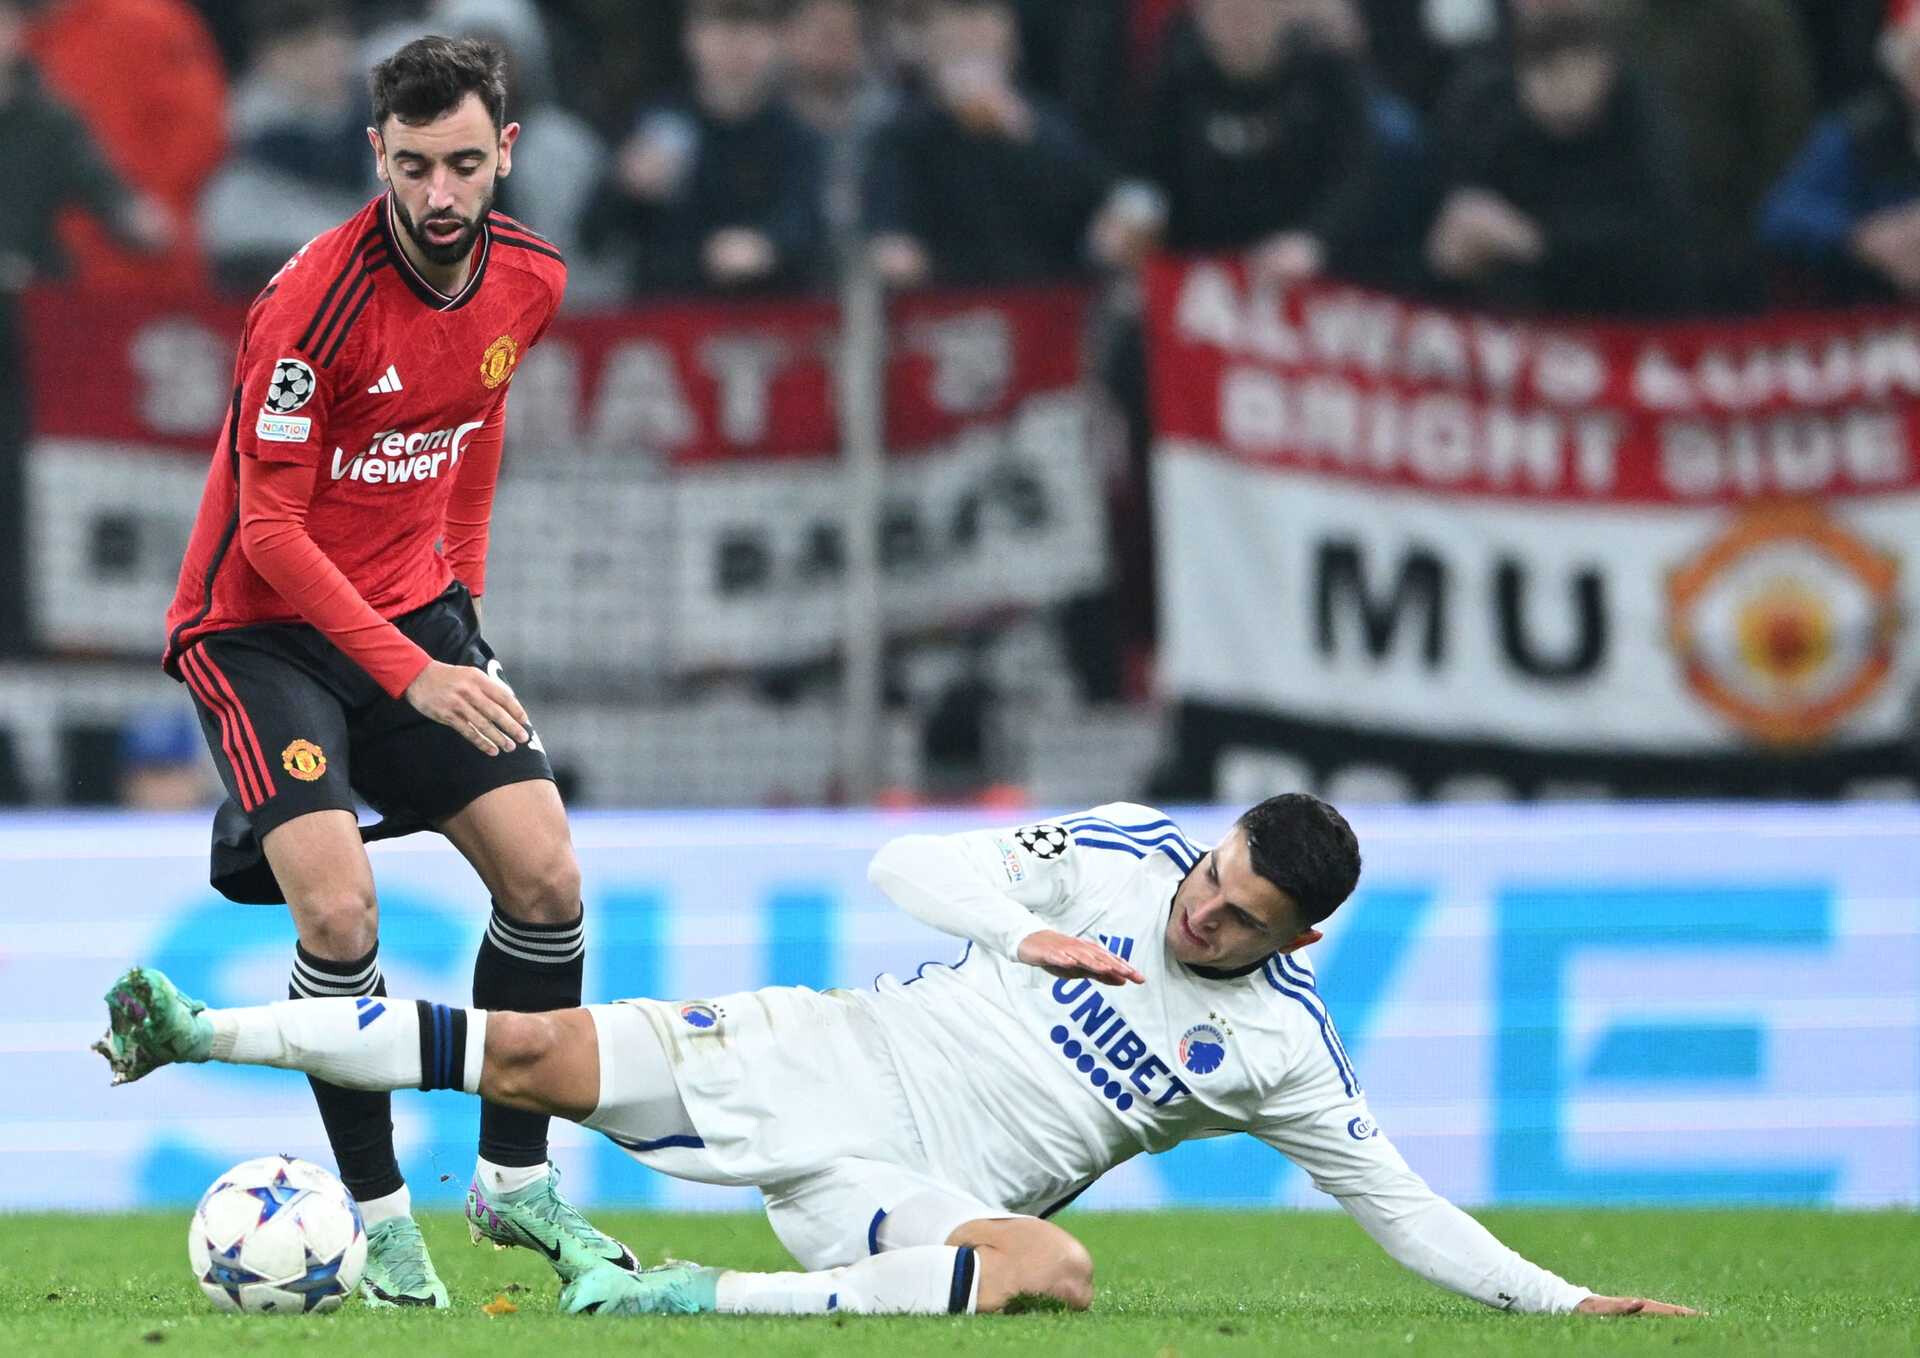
(1027, 1088)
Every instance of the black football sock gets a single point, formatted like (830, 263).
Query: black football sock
(528, 969)
(359, 1122)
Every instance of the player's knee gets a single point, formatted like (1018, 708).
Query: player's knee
(1068, 1272)
(547, 889)
(1040, 1260)
(517, 1045)
(340, 924)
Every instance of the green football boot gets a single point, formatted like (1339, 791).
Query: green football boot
(538, 1218)
(680, 1289)
(150, 1024)
(398, 1271)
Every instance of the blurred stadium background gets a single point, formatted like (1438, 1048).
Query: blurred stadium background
(1497, 416)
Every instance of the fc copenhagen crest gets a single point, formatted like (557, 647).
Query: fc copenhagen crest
(700, 1014)
(304, 760)
(496, 365)
(1202, 1048)
(1786, 625)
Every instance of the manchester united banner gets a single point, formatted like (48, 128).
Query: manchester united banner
(672, 494)
(1448, 553)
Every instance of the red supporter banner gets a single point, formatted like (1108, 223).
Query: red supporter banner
(693, 382)
(1349, 383)
(1426, 552)
(675, 469)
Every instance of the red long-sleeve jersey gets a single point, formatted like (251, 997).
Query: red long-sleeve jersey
(365, 428)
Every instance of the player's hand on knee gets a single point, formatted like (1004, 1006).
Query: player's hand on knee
(1631, 1306)
(478, 706)
(1070, 958)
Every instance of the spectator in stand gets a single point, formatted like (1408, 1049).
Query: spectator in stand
(1847, 212)
(718, 192)
(1261, 135)
(618, 55)
(1739, 80)
(54, 165)
(825, 73)
(901, 41)
(559, 158)
(976, 182)
(146, 78)
(299, 161)
(1843, 34)
(1417, 47)
(828, 79)
(163, 763)
(1562, 179)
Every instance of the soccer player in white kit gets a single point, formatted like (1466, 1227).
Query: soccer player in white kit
(1123, 990)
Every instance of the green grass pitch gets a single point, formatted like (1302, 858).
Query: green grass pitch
(1169, 1285)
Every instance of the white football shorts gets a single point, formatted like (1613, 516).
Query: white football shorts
(791, 1091)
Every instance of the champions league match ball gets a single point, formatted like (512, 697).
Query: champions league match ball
(277, 1235)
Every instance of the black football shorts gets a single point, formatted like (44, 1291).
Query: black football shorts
(295, 726)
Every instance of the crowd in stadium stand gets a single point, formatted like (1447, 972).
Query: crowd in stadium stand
(1633, 157)
(1636, 158)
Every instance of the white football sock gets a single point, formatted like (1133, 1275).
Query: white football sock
(508, 1178)
(927, 1280)
(395, 1204)
(370, 1042)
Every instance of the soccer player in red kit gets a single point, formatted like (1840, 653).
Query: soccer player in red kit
(327, 622)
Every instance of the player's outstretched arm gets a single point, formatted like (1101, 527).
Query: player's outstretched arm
(1429, 1235)
(1349, 1158)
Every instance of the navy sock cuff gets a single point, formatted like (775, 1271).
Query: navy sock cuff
(962, 1290)
(443, 1045)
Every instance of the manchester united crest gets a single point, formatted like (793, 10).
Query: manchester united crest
(304, 760)
(496, 365)
(1786, 625)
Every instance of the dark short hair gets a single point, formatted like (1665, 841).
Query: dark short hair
(1307, 849)
(430, 76)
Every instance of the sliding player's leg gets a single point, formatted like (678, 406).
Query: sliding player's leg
(874, 1239)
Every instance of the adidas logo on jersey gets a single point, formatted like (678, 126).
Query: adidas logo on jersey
(388, 384)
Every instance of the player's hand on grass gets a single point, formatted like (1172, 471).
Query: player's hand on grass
(476, 705)
(1631, 1306)
(1069, 957)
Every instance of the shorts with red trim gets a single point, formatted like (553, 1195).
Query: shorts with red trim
(296, 727)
